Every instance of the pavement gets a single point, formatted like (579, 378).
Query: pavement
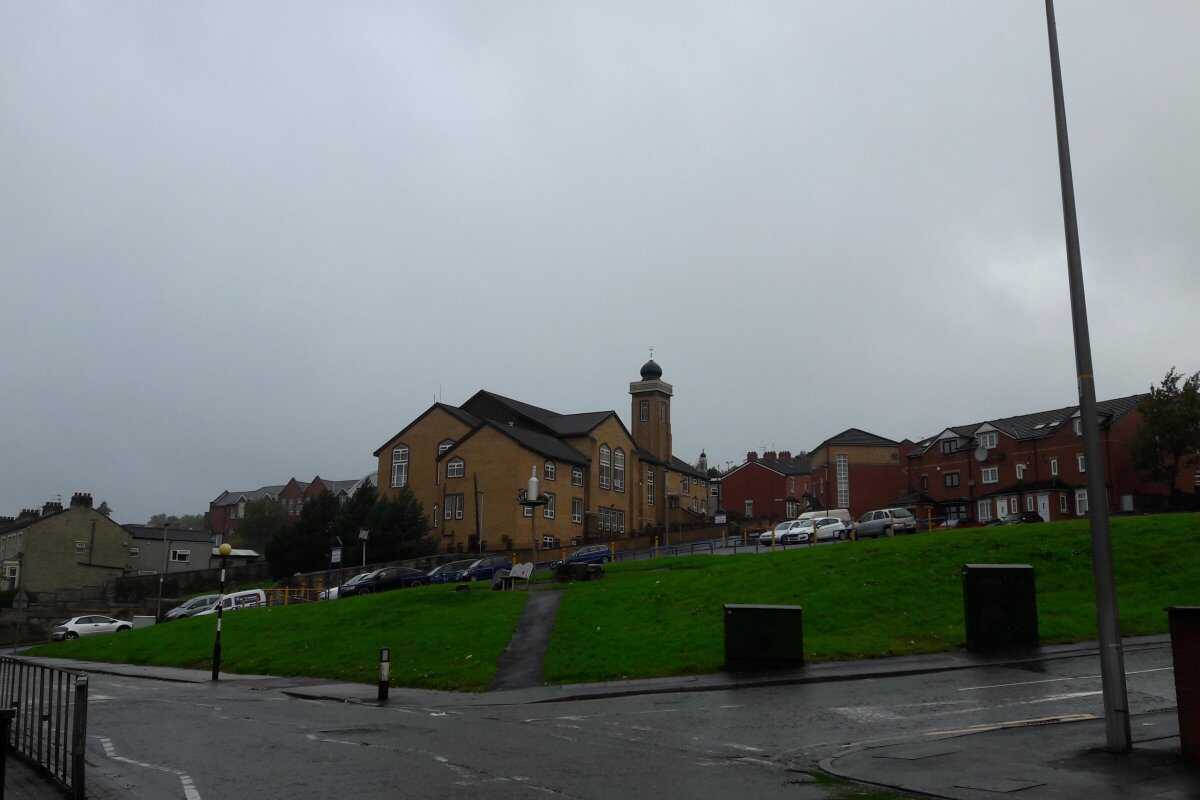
(950, 725)
(520, 665)
(23, 782)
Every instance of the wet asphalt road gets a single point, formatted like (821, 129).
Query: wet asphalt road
(152, 739)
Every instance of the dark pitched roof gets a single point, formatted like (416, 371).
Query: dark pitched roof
(491, 405)
(463, 416)
(857, 436)
(540, 443)
(157, 532)
(679, 465)
(231, 498)
(797, 465)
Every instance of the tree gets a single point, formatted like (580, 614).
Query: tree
(104, 509)
(399, 529)
(264, 519)
(1169, 437)
(193, 521)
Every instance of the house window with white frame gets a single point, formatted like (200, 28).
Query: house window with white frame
(445, 445)
(990, 474)
(550, 471)
(400, 467)
(577, 476)
(1077, 426)
(134, 552)
(650, 486)
(686, 483)
(843, 481)
(1012, 505)
(456, 468)
(1081, 502)
(454, 506)
(1062, 504)
(748, 509)
(605, 467)
(987, 440)
(80, 546)
(1054, 467)
(984, 509)
(526, 510)
(1081, 462)
(577, 510)
(1029, 502)
(1020, 472)
(619, 470)
(181, 556)
(551, 507)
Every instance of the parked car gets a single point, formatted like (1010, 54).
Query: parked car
(829, 529)
(592, 554)
(336, 592)
(776, 533)
(386, 579)
(837, 513)
(75, 627)
(235, 601)
(1018, 519)
(485, 568)
(799, 532)
(449, 573)
(883, 522)
(191, 607)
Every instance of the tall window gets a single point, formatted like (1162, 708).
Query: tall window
(454, 506)
(620, 522)
(843, 481)
(551, 507)
(577, 476)
(445, 445)
(662, 413)
(990, 474)
(1081, 460)
(650, 486)
(1062, 503)
(1029, 502)
(1081, 502)
(456, 468)
(951, 479)
(1012, 505)
(987, 440)
(924, 482)
(1054, 466)
(400, 467)
(619, 470)
(748, 509)
(984, 507)
(577, 510)
(550, 471)
(1077, 426)
(791, 487)
(686, 482)
(644, 411)
(1020, 472)
(605, 467)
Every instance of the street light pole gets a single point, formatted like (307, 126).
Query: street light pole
(158, 609)
(1112, 658)
(224, 550)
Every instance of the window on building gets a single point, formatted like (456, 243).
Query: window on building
(662, 413)
(80, 546)
(577, 476)
(1020, 472)
(445, 445)
(987, 440)
(1062, 503)
(957, 511)
(950, 479)
(1081, 462)
(1012, 505)
(715, 489)
(748, 508)
(551, 507)
(949, 446)
(526, 510)
(644, 411)
(984, 509)
(1054, 466)
(924, 482)
(1077, 426)
(650, 486)
(577, 510)
(620, 522)
(400, 467)
(843, 481)
(686, 483)
(1029, 502)
(1081, 502)
(181, 556)
(990, 474)
(454, 506)
(605, 467)
(550, 471)
(619, 470)
(11, 571)
(134, 552)
(456, 468)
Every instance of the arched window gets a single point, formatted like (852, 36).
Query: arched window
(400, 467)
(445, 445)
(619, 470)
(456, 468)
(605, 467)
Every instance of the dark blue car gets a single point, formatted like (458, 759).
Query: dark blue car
(592, 554)
(449, 573)
(485, 568)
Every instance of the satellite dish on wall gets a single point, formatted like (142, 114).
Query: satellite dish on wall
(981, 454)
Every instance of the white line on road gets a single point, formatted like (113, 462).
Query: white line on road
(1056, 680)
(190, 792)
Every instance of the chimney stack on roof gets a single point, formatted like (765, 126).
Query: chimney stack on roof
(770, 455)
(785, 455)
(752, 455)
(51, 507)
(28, 513)
(81, 499)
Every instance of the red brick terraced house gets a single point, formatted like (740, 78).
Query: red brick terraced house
(857, 470)
(229, 507)
(771, 489)
(1031, 462)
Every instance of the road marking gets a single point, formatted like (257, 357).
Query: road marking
(190, 792)
(1056, 680)
(1053, 697)
(1014, 723)
(744, 747)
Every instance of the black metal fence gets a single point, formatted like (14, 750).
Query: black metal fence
(49, 724)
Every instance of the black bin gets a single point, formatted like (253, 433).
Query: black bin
(758, 636)
(1185, 653)
(1000, 607)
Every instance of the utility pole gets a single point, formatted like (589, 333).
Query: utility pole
(161, 573)
(1112, 658)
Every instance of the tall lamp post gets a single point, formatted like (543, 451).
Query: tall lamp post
(1112, 659)
(531, 500)
(161, 573)
(224, 551)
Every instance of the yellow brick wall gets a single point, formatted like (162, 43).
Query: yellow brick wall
(422, 439)
(51, 561)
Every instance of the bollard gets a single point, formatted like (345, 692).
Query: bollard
(79, 738)
(999, 607)
(763, 636)
(385, 672)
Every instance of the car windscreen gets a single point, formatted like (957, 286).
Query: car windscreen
(196, 602)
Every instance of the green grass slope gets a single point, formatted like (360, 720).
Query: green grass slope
(440, 639)
(865, 599)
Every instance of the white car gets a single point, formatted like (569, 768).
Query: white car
(191, 607)
(775, 535)
(75, 627)
(800, 532)
(250, 598)
(830, 529)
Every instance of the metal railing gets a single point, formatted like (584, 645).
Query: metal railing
(49, 725)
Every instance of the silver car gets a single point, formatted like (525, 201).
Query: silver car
(193, 606)
(75, 627)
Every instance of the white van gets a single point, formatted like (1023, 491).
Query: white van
(836, 513)
(250, 598)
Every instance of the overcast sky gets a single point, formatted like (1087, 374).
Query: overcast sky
(246, 241)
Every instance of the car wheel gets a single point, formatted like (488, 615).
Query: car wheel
(72, 635)
(124, 628)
